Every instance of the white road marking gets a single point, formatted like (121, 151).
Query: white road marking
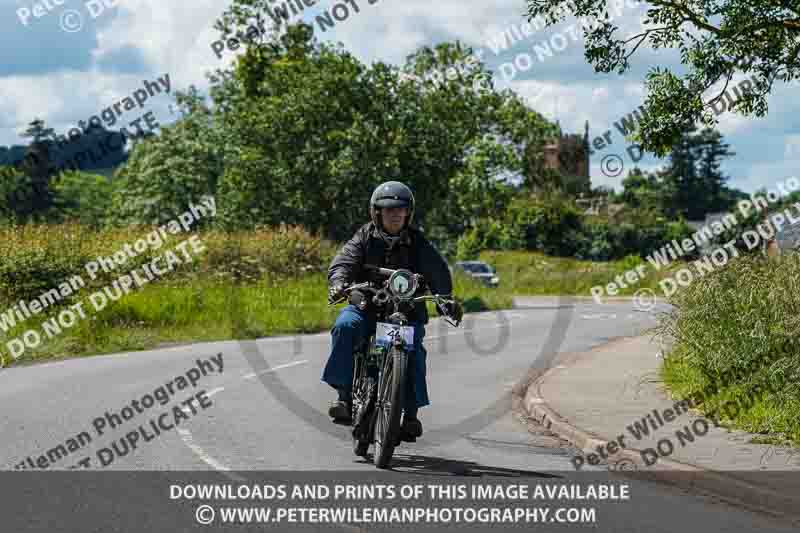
(215, 391)
(273, 369)
(186, 437)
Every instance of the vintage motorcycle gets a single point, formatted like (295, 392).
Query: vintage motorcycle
(382, 363)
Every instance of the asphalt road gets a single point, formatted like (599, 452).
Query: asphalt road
(267, 412)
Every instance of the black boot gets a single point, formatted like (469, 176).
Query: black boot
(341, 410)
(411, 427)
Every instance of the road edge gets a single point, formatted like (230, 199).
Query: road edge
(531, 403)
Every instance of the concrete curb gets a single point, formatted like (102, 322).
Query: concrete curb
(612, 299)
(684, 475)
(585, 299)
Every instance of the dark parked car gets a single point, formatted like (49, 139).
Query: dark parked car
(478, 270)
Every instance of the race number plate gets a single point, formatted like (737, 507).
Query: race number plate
(385, 334)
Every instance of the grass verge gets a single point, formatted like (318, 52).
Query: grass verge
(202, 302)
(532, 273)
(204, 310)
(737, 348)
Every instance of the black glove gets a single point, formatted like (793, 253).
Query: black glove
(359, 299)
(453, 310)
(336, 291)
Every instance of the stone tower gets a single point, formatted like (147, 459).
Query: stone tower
(569, 155)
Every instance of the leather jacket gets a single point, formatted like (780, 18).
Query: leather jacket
(412, 251)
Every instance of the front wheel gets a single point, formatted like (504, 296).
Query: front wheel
(390, 405)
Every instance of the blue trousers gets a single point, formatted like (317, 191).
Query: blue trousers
(352, 325)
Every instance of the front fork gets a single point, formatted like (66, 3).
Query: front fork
(373, 356)
(410, 392)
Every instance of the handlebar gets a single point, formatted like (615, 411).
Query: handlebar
(367, 286)
(438, 299)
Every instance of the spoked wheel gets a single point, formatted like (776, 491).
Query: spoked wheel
(389, 407)
(362, 391)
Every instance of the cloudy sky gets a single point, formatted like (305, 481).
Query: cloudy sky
(75, 60)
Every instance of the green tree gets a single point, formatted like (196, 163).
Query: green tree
(311, 142)
(36, 165)
(37, 131)
(166, 172)
(82, 197)
(690, 186)
(693, 182)
(715, 40)
(549, 223)
(300, 132)
(316, 131)
(21, 196)
(642, 190)
(479, 189)
(712, 150)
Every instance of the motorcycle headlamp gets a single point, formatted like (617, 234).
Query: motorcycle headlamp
(403, 284)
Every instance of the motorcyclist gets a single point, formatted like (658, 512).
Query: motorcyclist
(387, 241)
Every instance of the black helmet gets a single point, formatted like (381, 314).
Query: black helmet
(391, 194)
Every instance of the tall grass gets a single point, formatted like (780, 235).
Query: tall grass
(36, 258)
(737, 337)
(533, 273)
(251, 284)
(202, 311)
(245, 284)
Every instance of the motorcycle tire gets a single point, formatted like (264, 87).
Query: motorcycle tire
(363, 422)
(363, 401)
(389, 407)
